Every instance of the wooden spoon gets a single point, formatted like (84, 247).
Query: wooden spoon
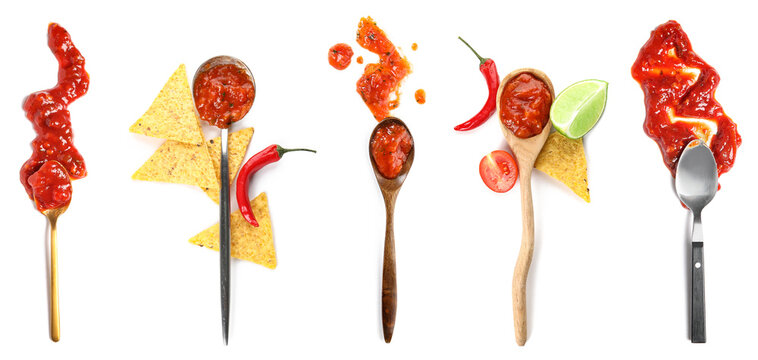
(390, 188)
(525, 151)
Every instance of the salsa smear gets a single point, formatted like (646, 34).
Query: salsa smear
(390, 147)
(525, 105)
(45, 175)
(380, 80)
(340, 56)
(223, 94)
(679, 97)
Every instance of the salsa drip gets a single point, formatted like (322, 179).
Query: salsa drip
(380, 80)
(679, 98)
(340, 56)
(390, 147)
(48, 112)
(223, 94)
(525, 105)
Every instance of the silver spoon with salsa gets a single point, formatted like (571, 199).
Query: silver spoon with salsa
(224, 90)
(523, 105)
(391, 151)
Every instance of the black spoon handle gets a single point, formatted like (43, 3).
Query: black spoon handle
(698, 294)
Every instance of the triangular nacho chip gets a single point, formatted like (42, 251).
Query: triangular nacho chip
(172, 115)
(564, 160)
(177, 162)
(238, 142)
(249, 243)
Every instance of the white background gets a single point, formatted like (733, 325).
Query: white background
(608, 278)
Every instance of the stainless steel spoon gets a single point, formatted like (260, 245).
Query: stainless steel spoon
(224, 203)
(696, 182)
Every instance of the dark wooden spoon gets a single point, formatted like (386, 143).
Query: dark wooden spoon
(390, 188)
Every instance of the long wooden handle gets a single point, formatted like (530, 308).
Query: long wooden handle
(55, 323)
(389, 281)
(524, 257)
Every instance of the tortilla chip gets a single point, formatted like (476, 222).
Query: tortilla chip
(180, 163)
(172, 115)
(249, 243)
(564, 160)
(238, 142)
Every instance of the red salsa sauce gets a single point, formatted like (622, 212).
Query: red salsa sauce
(340, 56)
(525, 105)
(420, 96)
(53, 151)
(223, 94)
(390, 147)
(51, 186)
(380, 80)
(679, 98)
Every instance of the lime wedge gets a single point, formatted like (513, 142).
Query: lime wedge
(578, 108)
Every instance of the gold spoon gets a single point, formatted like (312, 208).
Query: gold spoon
(526, 152)
(55, 322)
(52, 218)
(390, 188)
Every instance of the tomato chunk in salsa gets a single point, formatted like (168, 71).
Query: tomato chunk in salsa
(525, 105)
(679, 90)
(223, 94)
(390, 147)
(380, 81)
(48, 112)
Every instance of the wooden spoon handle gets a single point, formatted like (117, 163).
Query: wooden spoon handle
(524, 257)
(55, 324)
(389, 281)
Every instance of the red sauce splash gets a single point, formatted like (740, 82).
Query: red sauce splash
(414, 46)
(223, 94)
(525, 105)
(420, 96)
(380, 80)
(390, 147)
(340, 56)
(679, 98)
(48, 112)
(359, 59)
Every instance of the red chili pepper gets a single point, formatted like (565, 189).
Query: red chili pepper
(266, 156)
(488, 69)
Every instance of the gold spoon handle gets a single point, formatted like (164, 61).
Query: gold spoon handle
(524, 257)
(55, 324)
(389, 281)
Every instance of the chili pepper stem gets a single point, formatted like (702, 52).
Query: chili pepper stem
(283, 151)
(481, 59)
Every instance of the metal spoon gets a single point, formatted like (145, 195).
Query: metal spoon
(526, 152)
(224, 203)
(696, 183)
(390, 188)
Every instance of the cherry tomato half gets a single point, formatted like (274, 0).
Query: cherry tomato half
(498, 171)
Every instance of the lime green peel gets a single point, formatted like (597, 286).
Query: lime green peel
(577, 108)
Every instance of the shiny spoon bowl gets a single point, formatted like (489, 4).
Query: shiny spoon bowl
(696, 183)
(224, 202)
(390, 188)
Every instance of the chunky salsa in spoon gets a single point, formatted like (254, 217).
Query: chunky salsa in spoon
(224, 93)
(54, 159)
(679, 92)
(525, 105)
(390, 147)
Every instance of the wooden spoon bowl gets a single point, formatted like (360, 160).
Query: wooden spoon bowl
(526, 152)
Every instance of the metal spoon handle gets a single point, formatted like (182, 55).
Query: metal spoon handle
(697, 325)
(389, 280)
(55, 322)
(224, 235)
